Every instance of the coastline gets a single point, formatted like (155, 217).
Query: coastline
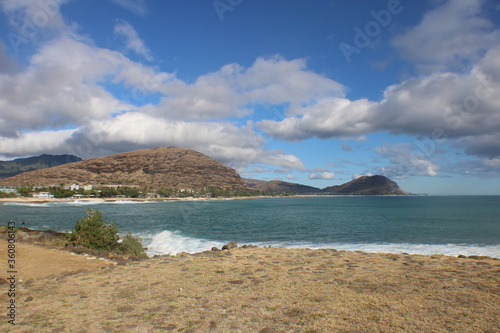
(258, 290)
(54, 200)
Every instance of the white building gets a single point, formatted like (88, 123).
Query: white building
(43, 195)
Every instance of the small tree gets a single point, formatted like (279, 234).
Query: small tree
(94, 232)
(132, 245)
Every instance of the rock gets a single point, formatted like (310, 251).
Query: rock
(215, 248)
(231, 245)
(462, 256)
(267, 330)
(28, 299)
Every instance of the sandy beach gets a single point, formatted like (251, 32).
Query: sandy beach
(253, 290)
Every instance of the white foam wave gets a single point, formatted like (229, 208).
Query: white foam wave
(168, 242)
(425, 249)
(28, 204)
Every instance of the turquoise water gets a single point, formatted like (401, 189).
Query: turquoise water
(451, 225)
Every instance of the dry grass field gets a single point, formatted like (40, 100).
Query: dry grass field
(254, 290)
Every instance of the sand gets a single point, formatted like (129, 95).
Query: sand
(254, 290)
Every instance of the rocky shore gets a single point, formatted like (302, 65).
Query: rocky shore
(253, 289)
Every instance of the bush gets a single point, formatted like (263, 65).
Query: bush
(95, 233)
(132, 245)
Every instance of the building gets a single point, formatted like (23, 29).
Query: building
(44, 195)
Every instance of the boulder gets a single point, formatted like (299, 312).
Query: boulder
(231, 245)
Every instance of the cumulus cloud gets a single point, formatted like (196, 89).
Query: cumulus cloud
(322, 175)
(132, 40)
(35, 143)
(232, 89)
(405, 160)
(327, 118)
(449, 36)
(59, 88)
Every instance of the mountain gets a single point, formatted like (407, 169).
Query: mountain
(165, 167)
(367, 185)
(20, 165)
(277, 186)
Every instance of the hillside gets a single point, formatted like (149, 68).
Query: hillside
(367, 185)
(277, 186)
(20, 165)
(165, 167)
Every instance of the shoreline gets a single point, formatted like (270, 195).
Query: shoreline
(55, 200)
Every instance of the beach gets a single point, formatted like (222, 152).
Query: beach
(254, 290)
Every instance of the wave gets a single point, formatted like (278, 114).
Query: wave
(168, 242)
(397, 248)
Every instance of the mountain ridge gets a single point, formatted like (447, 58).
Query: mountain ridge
(365, 185)
(20, 165)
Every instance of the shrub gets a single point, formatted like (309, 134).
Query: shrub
(95, 233)
(132, 245)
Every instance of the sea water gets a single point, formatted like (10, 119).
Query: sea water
(451, 225)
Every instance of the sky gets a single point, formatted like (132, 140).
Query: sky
(316, 92)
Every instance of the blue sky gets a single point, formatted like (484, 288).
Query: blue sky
(316, 92)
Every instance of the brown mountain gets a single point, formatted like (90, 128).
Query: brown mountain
(367, 185)
(165, 167)
(278, 186)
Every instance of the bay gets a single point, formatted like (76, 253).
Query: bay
(451, 225)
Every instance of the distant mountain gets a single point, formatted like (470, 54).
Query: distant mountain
(367, 185)
(277, 186)
(165, 167)
(20, 165)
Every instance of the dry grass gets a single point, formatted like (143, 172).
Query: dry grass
(262, 290)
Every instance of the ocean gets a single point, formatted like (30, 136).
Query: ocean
(451, 225)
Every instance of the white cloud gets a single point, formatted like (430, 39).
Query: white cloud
(322, 175)
(134, 6)
(449, 36)
(32, 16)
(405, 161)
(328, 117)
(229, 91)
(454, 105)
(132, 40)
(60, 87)
(35, 143)
(227, 143)
(357, 175)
